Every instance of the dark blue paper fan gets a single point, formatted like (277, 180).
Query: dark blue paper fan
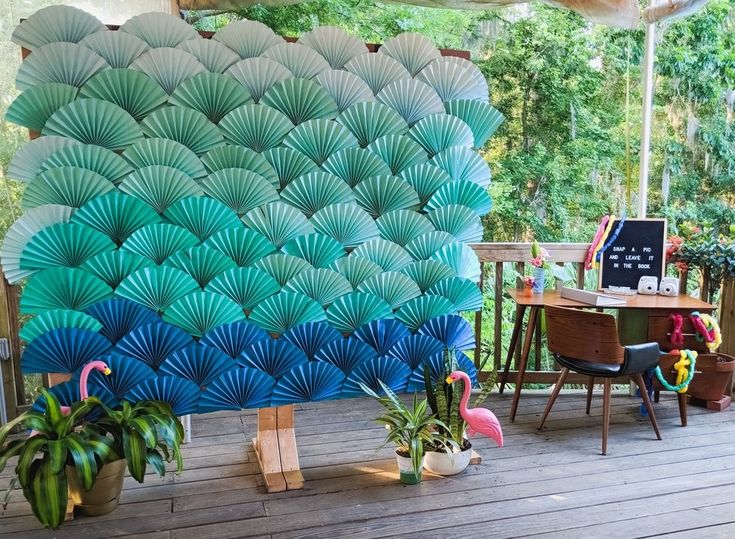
(413, 349)
(274, 357)
(311, 336)
(200, 364)
(67, 393)
(437, 367)
(126, 373)
(152, 343)
(453, 330)
(314, 381)
(391, 371)
(121, 316)
(234, 338)
(346, 354)
(467, 365)
(63, 350)
(382, 334)
(181, 394)
(237, 389)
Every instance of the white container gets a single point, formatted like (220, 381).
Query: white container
(405, 470)
(444, 463)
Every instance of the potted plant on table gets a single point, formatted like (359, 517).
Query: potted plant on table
(540, 262)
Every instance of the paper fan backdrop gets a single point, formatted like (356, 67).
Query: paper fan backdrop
(241, 221)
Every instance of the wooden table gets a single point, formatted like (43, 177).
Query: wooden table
(642, 319)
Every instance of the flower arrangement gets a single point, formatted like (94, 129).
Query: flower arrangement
(539, 256)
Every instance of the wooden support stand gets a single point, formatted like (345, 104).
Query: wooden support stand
(275, 447)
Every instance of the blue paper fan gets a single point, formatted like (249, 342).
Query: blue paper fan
(237, 389)
(126, 373)
(453, 330)
(391, 371)
(274, 357)
(200, 364)
(437, 368)
(346, 354)
(182, 395)
(120, 316)
(311, 336)
(381, 335)
(67, 393)
(467, 365)
(314, 381)
(63, 350)
(152, 343)
(234, 338)
(415, 348)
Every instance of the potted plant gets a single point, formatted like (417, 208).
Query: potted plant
(540, 262)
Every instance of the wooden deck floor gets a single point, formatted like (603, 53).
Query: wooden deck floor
(552, 483)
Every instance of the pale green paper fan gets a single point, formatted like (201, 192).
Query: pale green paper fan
(257, 75)
(247, 287)
(239, 189)
(202, 216)
(256, 127)
(354, 165)
(117, 48)
(247, 38)
(463, 293)
(356, 269)
(452, 81)
(426, 273)
(159, 29)
(199, 312)
(418, 311)
(63, 244)
(335, 45)
(318, 139)
(242, 245)
(412, 50)
(58, 318)
(425, 245)
(425, 179)
(65, 63)
(438, 132)
(393, 287)
(322, 285)
(130, 90)
(482, 118)
(186, 126)
(93, 121)
(202, 263)
(156, 287)
(104, 162)
(158, 241)
(300, 100)
(388, 255)
(302, 61)
(461, 258)
(114, 266)
(160, 186)
(166, 152)
(403, 226)
(68, 186)
(398, 152)
(377, 70)
(62, 288)
(381, 194)
(315, 191)
(239, 157)
(346, 223)
(460, 221)
(370, 121)
(477, 77)
(212, 94)
(280, 312)
(412, 99)
(289, 164)
(54, 24)
(317, 249)
(278, 222)
(212, 54)
(35, 105)
(168, 67)
(463, 164)
(356, 309)
(282, 267)
(464, 193)
(345, 88)
(26, 164)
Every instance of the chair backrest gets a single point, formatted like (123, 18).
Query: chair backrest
(583, 335)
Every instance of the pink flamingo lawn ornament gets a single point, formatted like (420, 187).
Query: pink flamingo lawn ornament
(83, 390)
(479, 420)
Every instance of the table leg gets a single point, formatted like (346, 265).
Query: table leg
(275, 447)
(532, 320)
(517, 326)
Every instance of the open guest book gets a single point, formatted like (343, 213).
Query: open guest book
(591, 298)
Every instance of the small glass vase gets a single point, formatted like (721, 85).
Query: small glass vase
(539, 280)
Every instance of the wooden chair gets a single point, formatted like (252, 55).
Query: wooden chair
(587, 342)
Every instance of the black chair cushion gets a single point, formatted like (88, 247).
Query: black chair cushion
(604, 370)
(641, 357)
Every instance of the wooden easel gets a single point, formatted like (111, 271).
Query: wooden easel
(275, 447)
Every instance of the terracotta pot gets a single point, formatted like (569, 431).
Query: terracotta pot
(104, 495)
(446, 463)
(406, 472)
(711, 376)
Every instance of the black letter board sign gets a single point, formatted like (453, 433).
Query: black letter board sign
(639, 250)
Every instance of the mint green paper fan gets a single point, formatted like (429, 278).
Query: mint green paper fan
(318, 139)
(62, 288)
(26, 164)
(322, 285)
(412, 99)
(93, 121)
(242, 245)
(474, 72)
(412, 50)
(302, 61)
(463, 193)
(65, 63)
(199, 312)
(58, 318)
(381, 194)
(426, 273)
(160, 186)
(104, 162)
(389, 256)
(425, 179)
(317, 249)
(239, 189)
(202, 216)
(463, 293)
(117, 48)
(68, 186)
(280, 312)
(157, 287)
(212, 94)
(159, 29)
(278, 222)
(356, 309)
(482, 118)
(425, 245)
(212, 54)
(186, 126)
(130, 90)
(398, 152)
(315, 191)
(114, 266)
(258, 74)
(34, 106)
(239, 157)
(370, 121)
(437, 132)
(462, 164)
(166, 152)
(461, 258)
(460, 221)
(393, 287)
(346, 222)
(417, 312)
(333, 44)
(354, 165)
(247, 287)
(403, 226)
(247, 38)
(289, 164)
(345, 88)
(256, 127)
(356, 269)
(282, 267)
(452, 81)
(377, 70)
(53, 24)
(300, 100)
(168, 67)
(158, 241)
(202, 263)
(63, 244)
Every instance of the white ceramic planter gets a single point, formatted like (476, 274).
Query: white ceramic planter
(405, 470)
(443, 463)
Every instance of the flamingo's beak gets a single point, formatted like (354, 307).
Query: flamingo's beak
(449, 380)
(107, 371)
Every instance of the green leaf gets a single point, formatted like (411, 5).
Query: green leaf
(154, 459)
(6, 429)
(53, 408)
(135, 453)
(47, 494)
(57, 455)
(24, 467)
(84, 460)
(10, 450)
(146, 427)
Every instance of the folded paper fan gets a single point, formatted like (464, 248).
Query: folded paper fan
(67, 186)
(202, 216)
(248, 38)
(382, 335)
(354, 165)
(65, 63)
(300, 100)
(242, 245)
(130, 90)
(159, 241)
(126, 374)
(398, 152)
(377, 70)
(461, 258)
(257, 127)
(389, 256)
(425, 245)
(289, 164)
(346, 354)
(437, 132)
(202, 263)
(425, 179)
(346, 223)
(463, 293)
(356, 269)
(114, 266)
(460, 221)
(186, 126)
(451, 81)
(104, 162)
(156, 287)
(314, 381)
(26, 164)
(232, 156)
(275, 357)
(335, 45)
(420, 310)
(199, 364)
(369, 121)
(212, 94)
(55, 319)
(63, 244)
(282, 267)
(452, 330)
(381, 194)
(159, 29)
(311, 337)
(412, 99)
(463, 193)
(182, 395)
(315, 191)
(414, 349)
(395, 288)
(213, 55)
(120, 316)
(237, 389)
(117, 48)
(199, 312)
(478, 79)
(349, 312)
(257, 75)
(318, 139)
(36, 105)
(54, 24)
(412, 50)
(63, 350)
(302, 61)
(463, 164)
(393, 372)
(426, 273)
(247, 287)
(278, 222)
(160, 186)
(481, 118)
(317, 249)
(345, 88)
(322, 285)
(166, 152)
(153, 343)
(284, 310)
(437, 367)
(403, 226)
(240, 190)
(233, 339)
(116, 215)
(62, 288)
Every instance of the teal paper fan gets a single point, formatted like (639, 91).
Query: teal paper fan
(424, 246)
(398, 152)
(403, 226)
(425, 179)
(257, 75)
(345, 88)
(168, 67)
(461, 258)
(114, 266)
(300, 100)
(239, 157)
(452, 81)
(256, 127)
(463, 193)
(247, 287)
(356, 309)
(54, 24)
(412, 99)
(412, 50)
(130, 90)
(377, 70)
(65, 63)
(36, 105)
(186, 126)
(242, 245)
(463, 293)
(68, 186)
(315, 191)
(212, 94)
(285, 310)
(479, 80)
(393, 287)
(247, 38)
(418, 311)
(462, 164)
(278, 222)
(166, 152)
(158, 241)
(58, 318)
(282, 267)
(157, 287)
(438, 132)
(302, 61)
(212, 54)
(426, 273)
(289, 164)
(460, 221)
(356, 269)
(26, 164)
(104, 162)
(317, 249)
(202, 263)
(369, 121)
(202, 216)
(200, 312)
(159, 29)
(482, 118)
(117, 48)
(160, 186)
(63, 244)
(389, 256)
(239, 189)
(62, 288)
(322, 285)
(318, 139)
(381, 194)
(354, 165)
(333, 44)
(346, 223)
